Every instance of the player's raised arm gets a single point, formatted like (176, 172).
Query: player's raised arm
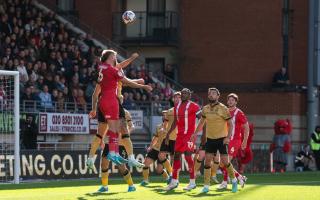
(95, 97)
(134, 84)
(126, 62)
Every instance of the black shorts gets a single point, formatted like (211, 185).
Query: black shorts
(101, 118)
(153, 154)
(202, 147)
(214, 145)
(168, 148)
(122, 113)
(122, 151)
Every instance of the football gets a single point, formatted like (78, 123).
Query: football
(128, 17)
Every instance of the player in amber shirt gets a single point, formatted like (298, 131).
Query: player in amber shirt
(153, 152)
(123, 170)
(217, 118)
(169, 148)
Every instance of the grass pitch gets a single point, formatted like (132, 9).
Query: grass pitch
(291, 186)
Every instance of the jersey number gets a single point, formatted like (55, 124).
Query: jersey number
(100, 77)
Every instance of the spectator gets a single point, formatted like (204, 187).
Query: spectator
(128, 101)
(315, 145)
(303, 159)
(29, 134)
(45, 98)
(89, 90)
(169, 72)
(82, 104)
(158, 89)
(57, 83)
(60, 101)
(54, 96)
(28, 99)
(281, 78)
(22, 70)
(168, 92)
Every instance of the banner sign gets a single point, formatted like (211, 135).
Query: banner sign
(63, 123)
(137, 118)
(65, 165)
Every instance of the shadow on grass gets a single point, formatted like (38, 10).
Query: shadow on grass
(105, 195)
(161, 191)
(290, 178)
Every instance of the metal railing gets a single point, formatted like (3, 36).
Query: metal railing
(149, 27)
(77, 145)
(150, 108)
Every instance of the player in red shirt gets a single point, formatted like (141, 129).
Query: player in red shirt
(109, 77)
(185, 113)
(240, 123)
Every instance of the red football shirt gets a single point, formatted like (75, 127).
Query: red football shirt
(238, 119)
(108, 80)
(186, 113)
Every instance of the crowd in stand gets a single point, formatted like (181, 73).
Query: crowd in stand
(57, 65)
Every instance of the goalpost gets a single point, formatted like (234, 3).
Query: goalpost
(9, 127)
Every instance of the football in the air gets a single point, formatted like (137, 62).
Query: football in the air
(128, 17)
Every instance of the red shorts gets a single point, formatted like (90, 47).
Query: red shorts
(109, 108)
(183, 144)
(234, 147)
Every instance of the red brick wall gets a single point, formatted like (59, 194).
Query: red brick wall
(269, 103)
(227, 41)
(298, 42)
(97, 14)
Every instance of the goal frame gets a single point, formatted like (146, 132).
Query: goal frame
(16, 111)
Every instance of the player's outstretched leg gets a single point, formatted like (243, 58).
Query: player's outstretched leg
(127, 143)
(97, 140)
(127, 177)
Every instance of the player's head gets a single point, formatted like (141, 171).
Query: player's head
(232, 100)
(213, 95)
(176, 97)
(108, 56)
(317, 129)
(185, 94)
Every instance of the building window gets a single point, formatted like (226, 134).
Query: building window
(156, 18)
(66, 5)
(156, 6)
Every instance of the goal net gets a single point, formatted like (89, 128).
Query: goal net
(9, 127)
